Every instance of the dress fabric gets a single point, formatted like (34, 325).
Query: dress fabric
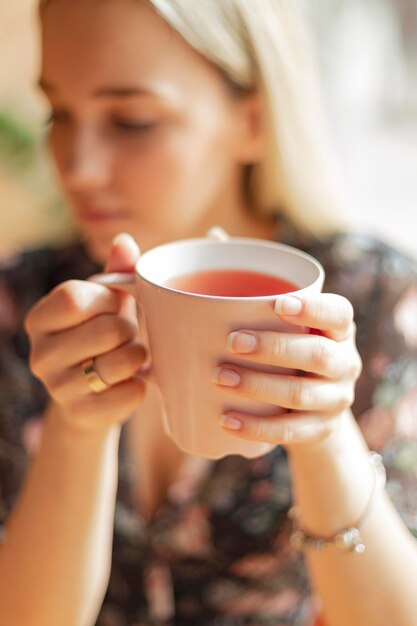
(218, 553)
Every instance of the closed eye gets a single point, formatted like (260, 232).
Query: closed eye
(134, 126)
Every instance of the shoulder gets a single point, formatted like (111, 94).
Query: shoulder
(360, 265)
(16, 267)
(26, 277)
(354, 261)
(381, 283)
(358, 250)
(46, 263)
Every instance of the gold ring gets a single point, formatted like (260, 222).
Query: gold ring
(94, 380)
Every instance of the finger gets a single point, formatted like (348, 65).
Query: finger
(113, 406)
(70, 304)
(291, 392)
(122, 363)
(288, 428)
(328, 312)
(310, 353)
(113, 368)
(99, 335)
(124, 254)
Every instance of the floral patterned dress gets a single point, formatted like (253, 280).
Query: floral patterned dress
(217, 552)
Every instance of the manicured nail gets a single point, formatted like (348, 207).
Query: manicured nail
(226, 377)
(231, 423)
(242, 343)
(288, 305)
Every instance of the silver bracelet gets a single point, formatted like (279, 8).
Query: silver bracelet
(350, 538)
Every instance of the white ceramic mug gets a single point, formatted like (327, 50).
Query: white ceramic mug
(188, 332)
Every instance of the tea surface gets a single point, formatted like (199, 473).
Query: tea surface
(232, 284)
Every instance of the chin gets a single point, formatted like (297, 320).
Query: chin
(98, 250)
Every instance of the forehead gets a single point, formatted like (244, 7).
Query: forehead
(87, 43)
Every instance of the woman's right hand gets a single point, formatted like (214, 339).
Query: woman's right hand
(78, 321)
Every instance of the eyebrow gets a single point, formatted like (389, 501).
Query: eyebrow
(106, 92)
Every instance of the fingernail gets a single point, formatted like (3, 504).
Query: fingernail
(231, 423)
(288, 305)
(226, 377)
(126, 240)
(242, 343)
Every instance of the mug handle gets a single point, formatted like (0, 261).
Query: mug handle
(123, 281)
(126, 281)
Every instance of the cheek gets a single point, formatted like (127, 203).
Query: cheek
(61, 148)
(179, 175)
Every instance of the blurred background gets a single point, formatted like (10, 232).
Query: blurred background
(367, 51)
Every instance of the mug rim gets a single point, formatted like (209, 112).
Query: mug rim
(249, 241)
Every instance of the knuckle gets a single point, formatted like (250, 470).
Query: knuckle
(346, 398)
(38, 360)
(319, 309)
(283, 431)
(137, 358)
(298, 394)
(357, 367)
(112, 329)
(257, 386)
(258, 430)
(121, 365)
(141, 354)
(322, 356)
(117, 364)
(353, 368)
(277, 347)
(123, 330)
(346, 313)
(30, 322)
(68, 297)
(103, 327)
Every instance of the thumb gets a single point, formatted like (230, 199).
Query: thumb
(124, 254)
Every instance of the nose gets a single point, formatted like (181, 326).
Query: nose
(84, 160)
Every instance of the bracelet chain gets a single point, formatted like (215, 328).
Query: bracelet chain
(350, 538)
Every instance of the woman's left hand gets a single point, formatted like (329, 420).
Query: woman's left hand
(310, 401)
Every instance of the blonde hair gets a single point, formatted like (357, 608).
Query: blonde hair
(262, 45)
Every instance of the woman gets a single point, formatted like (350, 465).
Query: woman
(167, 119)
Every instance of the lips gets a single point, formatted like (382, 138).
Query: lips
(98, 214)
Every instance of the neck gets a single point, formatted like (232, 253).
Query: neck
(232, 213)
(242, 224)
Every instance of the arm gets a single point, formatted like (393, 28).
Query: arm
(332, 476)
(55, 563)
(332, 483)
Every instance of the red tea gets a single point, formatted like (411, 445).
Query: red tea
(231, 283)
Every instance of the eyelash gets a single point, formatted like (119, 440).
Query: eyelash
(121, 125)
(134, 127)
